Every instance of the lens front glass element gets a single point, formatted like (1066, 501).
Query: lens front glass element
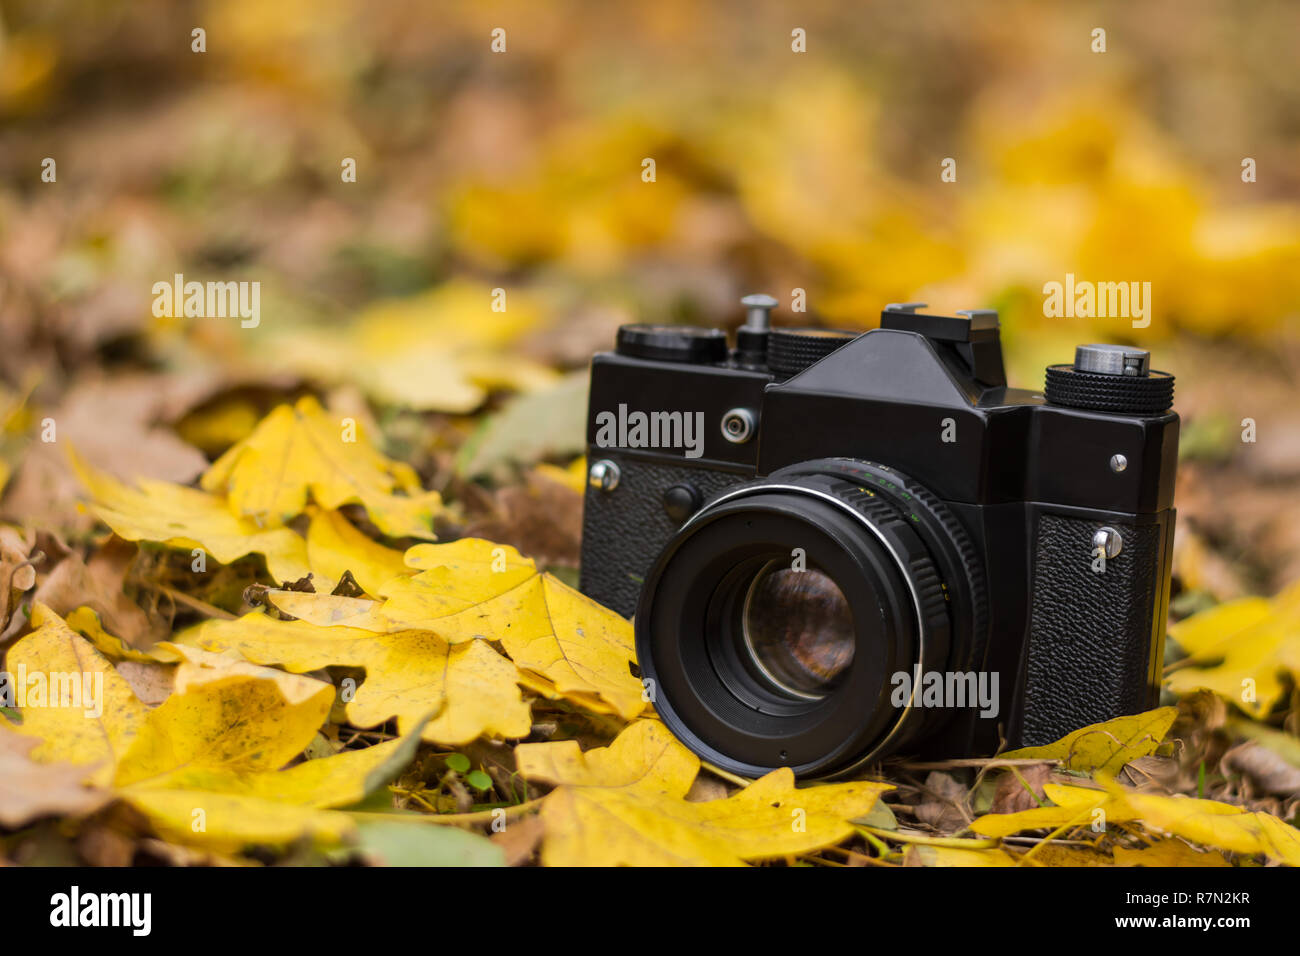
(798, 630)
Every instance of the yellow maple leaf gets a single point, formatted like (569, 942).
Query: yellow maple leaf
(473, 588)
(339, 780)
(1071, 806)
(204, 766)
(1169, 852)
(85, 621)
(187, 518)
(465, 690)
(227, 823)
(72, 698)
(624, 805)
(542, 687)
(1213, 824)
(1106, 747)
(334, 546)
(1241, 650)
(956, 856)
(1207, 822)
(301, 450)
(644, 757)
(227, 714)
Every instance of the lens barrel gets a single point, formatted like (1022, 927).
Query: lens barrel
(774, 624)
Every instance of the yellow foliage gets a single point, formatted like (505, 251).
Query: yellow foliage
(624, 806)
(1207, 822)
(226, 823)
(1168, 852)
(229, 715)
(951, 856)
(300, 450)
(214, 430)
(64, 716)
(1242, 650)
(86, 622)
(644, 757)
(1071, 806)
(469, 689)
(204, 766)
(1214, 824)
(1106, 747)
(441, 350)
(187, 518)
(335, 546)
(579, 203)
(473, 588)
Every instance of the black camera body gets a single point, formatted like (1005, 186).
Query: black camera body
(839, 547)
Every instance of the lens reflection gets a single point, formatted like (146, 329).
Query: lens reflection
(798, 630)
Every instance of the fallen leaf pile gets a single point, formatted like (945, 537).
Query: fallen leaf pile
(208, 766)
(626, 805)
(342, 676)
(460, 691)
(1247, 651)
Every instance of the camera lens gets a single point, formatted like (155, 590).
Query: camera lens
(798, 630)
(773, 626)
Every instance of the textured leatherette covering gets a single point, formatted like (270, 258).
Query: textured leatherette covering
(1090, 634)
(624, 530)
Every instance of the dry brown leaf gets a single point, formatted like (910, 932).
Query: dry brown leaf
(112, 424)
(542, 519)
(520, 839)
(942, 806)
(99, 584)
(1266, 771)
(1156, 771)
(151, 681)
(1015, 793)
(17, 571)
(30, 790)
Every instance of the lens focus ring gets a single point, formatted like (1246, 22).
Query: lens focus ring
(931, 603)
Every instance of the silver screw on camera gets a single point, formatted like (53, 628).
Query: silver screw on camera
(738, 425)
(1118, 463)
(1108, 542)
(603, 475)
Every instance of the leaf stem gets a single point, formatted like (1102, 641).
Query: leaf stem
(726, 775)
(194, 604)
(904, 837)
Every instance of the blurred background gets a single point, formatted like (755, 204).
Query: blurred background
(522, 170)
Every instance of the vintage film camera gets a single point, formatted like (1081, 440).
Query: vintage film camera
(813, 527)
